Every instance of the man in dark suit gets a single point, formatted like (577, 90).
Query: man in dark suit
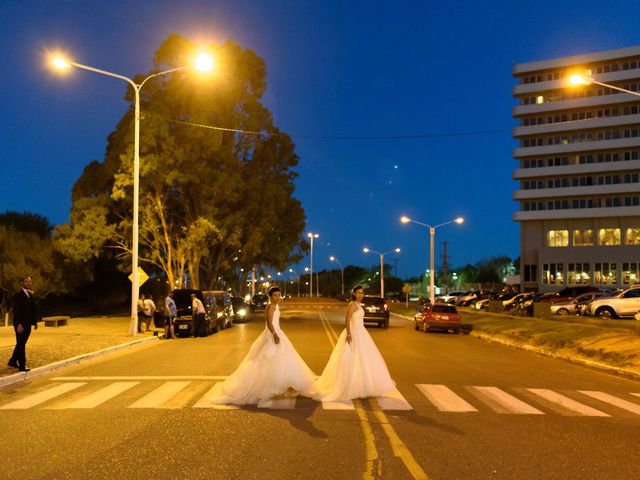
(25, 314)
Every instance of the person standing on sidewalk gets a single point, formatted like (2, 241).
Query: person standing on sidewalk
(197, 309)
(25, 314)
(170, 313)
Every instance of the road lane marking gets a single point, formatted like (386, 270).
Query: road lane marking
(568, 403)
(99, 397)
(205, 401)
(636, 394)
(41, 397)
(508, 402)
(444, 399)
(393, 401)
(146, 377)
(278, 404)
(348, 405)
(400, 450)
(161, 395)
(615, 401)
(373, 464)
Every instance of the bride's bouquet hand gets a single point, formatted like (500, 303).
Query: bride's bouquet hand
(276, 338)
(348, 338)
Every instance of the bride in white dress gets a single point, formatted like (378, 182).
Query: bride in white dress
(355, 369)
(271, 367)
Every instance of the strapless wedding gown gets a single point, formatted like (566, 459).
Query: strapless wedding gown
(268, 370)
(356, 369)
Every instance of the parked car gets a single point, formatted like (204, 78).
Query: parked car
(466, 298)
(259, 300)
(482, 304)
(575, 306)
(624, 304)
(513, 302)
(240, 310)
(376, 310)
(566, 294)
(219, 307)
(438, 316)
(183, 324)
(449, 297)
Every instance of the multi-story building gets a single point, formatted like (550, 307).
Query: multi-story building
(579, 171)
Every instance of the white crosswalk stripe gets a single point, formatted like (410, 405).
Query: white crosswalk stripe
(279, 404)
(394, 401)
(444, 399)
(41, 397)
(568, 403)
(161, 395)
(502, 402)
(205, 402)
(98, 398)
(348, 405)
(615, 401)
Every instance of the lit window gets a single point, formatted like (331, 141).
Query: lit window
(609, 236)
(539, 99)
(579, 273)
(633, 236)
(552, 273)
(630, 273)
(583, 238)
(558, 238)
(605, 274)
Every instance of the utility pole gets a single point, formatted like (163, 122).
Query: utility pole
(446, 276)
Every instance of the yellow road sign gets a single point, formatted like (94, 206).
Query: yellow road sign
(406, 289)
(142, 276)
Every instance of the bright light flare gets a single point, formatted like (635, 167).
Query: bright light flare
(332, 258)
(579, 80)
(405, 219)
(459, 220)
(397, 250)
(366, 250)
(60, 62)
(204, 63)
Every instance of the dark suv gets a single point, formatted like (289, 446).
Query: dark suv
(219, 308)
(259, 300)
(376, 310)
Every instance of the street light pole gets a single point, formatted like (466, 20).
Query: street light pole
(311, 236)
(334, 259)
(588, 80)
(202, 64)
(367, 250)
(291, 270)
(432, 236)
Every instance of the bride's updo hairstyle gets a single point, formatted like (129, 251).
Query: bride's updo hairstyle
(354, 290)
(273, 290)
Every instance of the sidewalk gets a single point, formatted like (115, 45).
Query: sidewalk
(612, 345)
(80, 336)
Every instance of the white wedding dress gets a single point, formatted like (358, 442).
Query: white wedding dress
(356, 369)
(268, 370)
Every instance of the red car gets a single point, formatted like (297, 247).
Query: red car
(439, 316)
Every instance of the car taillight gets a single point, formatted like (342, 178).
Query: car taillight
(386, 307)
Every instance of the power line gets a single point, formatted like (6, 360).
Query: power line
(344, 137)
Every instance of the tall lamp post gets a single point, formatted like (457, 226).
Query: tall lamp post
(432, 234)
(334, 259)
(203, 63)
(311, 236)
(291, 270)
(367, 250)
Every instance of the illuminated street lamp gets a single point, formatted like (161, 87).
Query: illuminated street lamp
(203, 63)
(588, 80)
(311, 237)
(334, 259)
(291, 270)
(432, 234)
(367, 250)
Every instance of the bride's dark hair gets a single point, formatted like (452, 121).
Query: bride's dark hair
(354, 290)
(273, 290)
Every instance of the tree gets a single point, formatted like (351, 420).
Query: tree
(203, 193)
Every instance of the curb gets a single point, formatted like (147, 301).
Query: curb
(541, 351)
(36, 372)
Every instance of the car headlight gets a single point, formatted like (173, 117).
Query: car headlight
(242, 312)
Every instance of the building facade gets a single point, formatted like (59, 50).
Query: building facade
(578, 171)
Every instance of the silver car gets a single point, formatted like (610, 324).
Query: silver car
(575, 306)
(624, 304)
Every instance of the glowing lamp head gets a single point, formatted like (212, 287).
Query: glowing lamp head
(332, 258)
(60, 63)
(397, 250)
(204, 63)
(579, 80)
(459, 220)
(366, 250)
(405, 219)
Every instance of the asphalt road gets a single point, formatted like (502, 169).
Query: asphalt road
(465, 409)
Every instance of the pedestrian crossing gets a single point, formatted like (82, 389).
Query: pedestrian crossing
(181, 393)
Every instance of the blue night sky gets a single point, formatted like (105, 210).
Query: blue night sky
(334, 69)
